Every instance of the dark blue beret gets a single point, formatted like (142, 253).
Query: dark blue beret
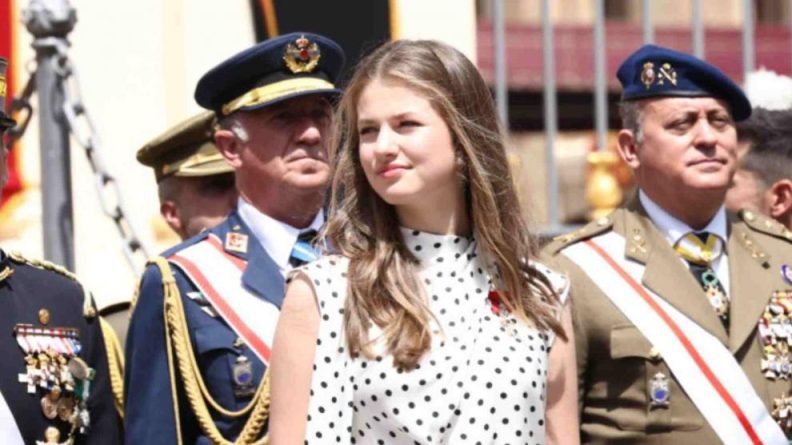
(272, 71)
(654, 71)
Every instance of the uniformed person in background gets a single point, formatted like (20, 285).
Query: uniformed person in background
(54, 381)
(199, 338)
(194, 183)
(196, 192)
(681, 310)
(763, 182)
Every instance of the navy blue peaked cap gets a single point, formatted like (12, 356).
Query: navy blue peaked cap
(272, 71)
(654, 71)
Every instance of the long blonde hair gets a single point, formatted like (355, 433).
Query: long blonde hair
(384, 289)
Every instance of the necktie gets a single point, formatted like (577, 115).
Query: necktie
(303, 250)
(700, 250)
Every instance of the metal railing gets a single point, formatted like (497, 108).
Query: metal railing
(600, 87)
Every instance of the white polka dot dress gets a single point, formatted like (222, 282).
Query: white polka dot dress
(482, 382)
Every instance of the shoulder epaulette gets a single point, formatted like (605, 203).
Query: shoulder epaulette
(88, 307)
(593, 228)
(764, 224)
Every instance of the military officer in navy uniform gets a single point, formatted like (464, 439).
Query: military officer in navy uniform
(54, 381)
(198, 343)
(681, 310)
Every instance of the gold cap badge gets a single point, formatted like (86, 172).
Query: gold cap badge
(302, 55)
(648, 74)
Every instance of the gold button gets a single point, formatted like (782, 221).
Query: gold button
(238, 343)
(604, 221)
(749, 216)
(44, 316)
(90, 313)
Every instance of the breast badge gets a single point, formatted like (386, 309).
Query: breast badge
(659, 391)
(775, 333)
(54, 371)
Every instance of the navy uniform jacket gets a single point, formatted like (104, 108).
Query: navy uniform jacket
(23, 295)
(150, 416)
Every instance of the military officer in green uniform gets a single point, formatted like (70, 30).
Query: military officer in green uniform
(681, 310)
(54, 382)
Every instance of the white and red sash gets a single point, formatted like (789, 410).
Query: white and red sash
(218, 275)
(9, 431)
(701, 364)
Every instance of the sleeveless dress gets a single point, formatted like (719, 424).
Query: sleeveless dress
(482, 381)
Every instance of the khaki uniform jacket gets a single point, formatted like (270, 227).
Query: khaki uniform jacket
(616, 362)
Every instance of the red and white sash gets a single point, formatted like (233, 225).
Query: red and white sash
(9, 431)
(702, 365)
(218, 275)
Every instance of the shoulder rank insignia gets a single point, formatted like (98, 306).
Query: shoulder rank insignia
(236, 242)
(302, 55)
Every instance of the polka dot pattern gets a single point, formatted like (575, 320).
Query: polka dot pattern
(483, 381)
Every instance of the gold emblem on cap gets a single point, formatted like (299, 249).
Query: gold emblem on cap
(302, 55)
(2, 86)
(648, 74)
(667, 72)
(44, 316)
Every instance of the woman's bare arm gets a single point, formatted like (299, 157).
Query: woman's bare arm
(562, 391)
(292, 361)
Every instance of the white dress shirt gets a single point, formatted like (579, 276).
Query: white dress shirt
(674, 229)
(277, 238)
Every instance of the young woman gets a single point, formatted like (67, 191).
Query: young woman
(430, 323)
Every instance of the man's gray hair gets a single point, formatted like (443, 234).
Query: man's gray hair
(631, 113)
(232, 124)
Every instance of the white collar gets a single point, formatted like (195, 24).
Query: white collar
(276, 237)
(674, 229)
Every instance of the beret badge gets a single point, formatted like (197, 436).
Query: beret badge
(302, 55)
(648, 74)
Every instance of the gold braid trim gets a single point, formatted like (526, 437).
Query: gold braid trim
(88, 307)
(180, 345)
(115, 364)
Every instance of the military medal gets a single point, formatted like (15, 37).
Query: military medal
(782, 413)
(659, 391)
(775, 333)
(53, 369)
(243, 377)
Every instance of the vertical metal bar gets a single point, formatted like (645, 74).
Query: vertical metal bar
(600, 81)
(550, 114)
(646, 22)
(748, 38)
(50, 22)
(501, 83)
(698, 30)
